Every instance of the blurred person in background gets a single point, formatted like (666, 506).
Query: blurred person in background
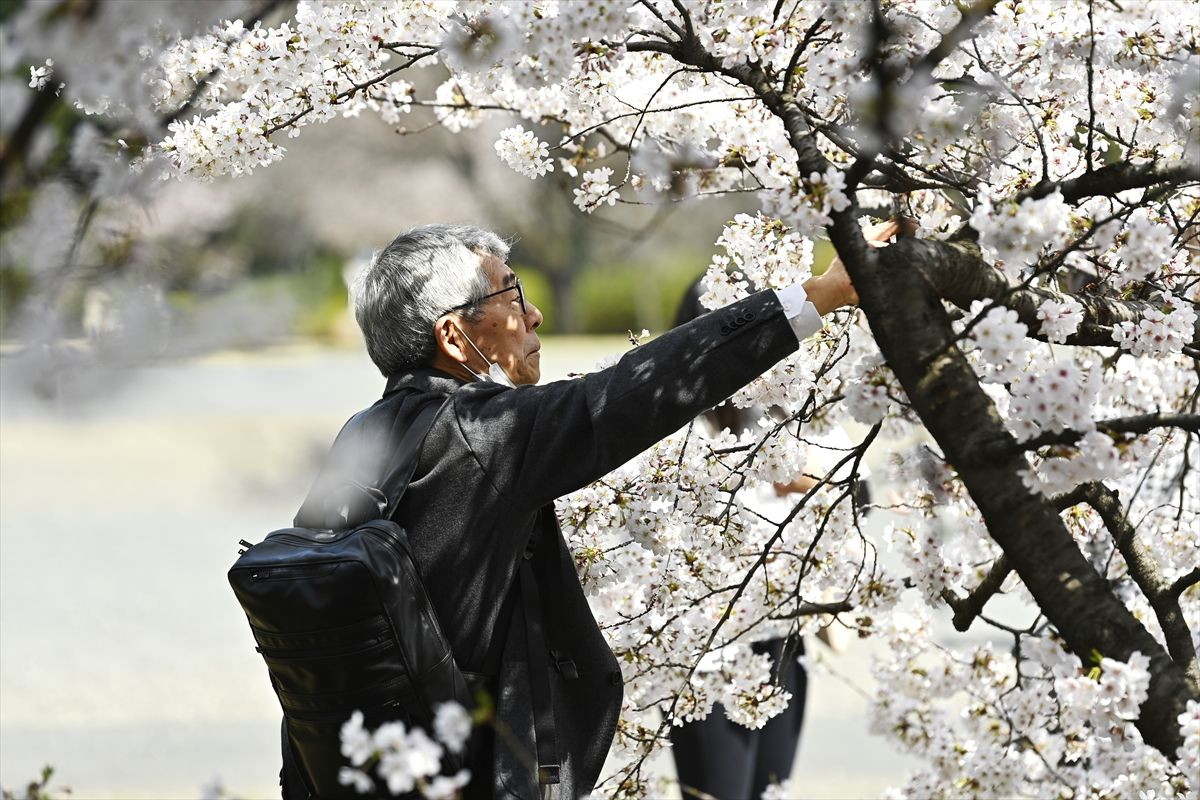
(716, 757)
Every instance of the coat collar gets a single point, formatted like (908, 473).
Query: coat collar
(426, 379)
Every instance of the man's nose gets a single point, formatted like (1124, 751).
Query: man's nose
(534, 317)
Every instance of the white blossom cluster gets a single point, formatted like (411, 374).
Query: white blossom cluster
(1001, 341)
(1058, 397)
(659, 542)
(1189, 726)
(563, 61)
(782, 790)
(1095, 458)
(1158, 332)
(1013, 235)
(332, 59)
(946, 552)
(1060, 318)
(1149, 246)
(477, 43)
(40, 76)
(827, 194)
(1082, 738)
(870, 389)
(595, 190)
(762, 253)
(524, 152)
(1038, 719)
(406, 759)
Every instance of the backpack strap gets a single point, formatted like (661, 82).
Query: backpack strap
(408, 453)
(545, 738)
(560, 657)
(337, 502)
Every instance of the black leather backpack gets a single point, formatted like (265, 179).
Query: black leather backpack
(343, 622)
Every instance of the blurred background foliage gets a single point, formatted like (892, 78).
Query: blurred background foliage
(182, 268)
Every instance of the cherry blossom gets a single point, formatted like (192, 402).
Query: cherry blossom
(1158, 332)
(40, 76)
(1060, 318)
(521, 150)
(595, 190)
(452, 725)
(406, 758)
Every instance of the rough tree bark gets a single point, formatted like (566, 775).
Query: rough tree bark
(913, 331)
(959, 274)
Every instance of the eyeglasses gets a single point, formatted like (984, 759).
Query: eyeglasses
(520, 296)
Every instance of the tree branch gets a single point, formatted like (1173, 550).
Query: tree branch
(815, 609)
(1143, 423)
(1146, 575)
(789, 73)
(914, 333)
(649, 6)
(958, 273)
(354, 89)
(1183, 583)
(1113, 179)
(966, 609)
(13, 147)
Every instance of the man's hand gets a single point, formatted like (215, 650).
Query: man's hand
(833, 289)
(800, 484)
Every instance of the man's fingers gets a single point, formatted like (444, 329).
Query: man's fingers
(908, 226)
(882, 231)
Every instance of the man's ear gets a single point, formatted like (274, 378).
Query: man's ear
(449, 339)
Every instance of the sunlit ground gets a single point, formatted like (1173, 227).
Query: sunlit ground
(126, 662)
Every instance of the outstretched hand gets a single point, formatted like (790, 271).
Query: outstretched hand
(836, 282)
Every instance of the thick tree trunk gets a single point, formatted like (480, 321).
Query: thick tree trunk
(914, 333)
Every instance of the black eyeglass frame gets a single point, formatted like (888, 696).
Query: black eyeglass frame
(520, 296)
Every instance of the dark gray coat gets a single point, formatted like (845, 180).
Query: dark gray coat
(490, 469)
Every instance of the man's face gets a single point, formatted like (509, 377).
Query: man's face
(504, 334)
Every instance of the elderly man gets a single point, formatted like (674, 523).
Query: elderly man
(445, 316)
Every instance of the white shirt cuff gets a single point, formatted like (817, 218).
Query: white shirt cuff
(801, 314)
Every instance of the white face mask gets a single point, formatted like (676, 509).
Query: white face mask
(495, 373)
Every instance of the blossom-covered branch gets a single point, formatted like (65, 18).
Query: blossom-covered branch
(1143, 423)
(957, 272)
(1149, 579)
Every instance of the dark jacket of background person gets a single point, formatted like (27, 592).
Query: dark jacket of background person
(715, 756)
(495, 460)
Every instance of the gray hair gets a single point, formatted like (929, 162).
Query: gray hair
(415, 280)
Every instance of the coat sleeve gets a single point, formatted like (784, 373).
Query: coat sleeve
(537, 443)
